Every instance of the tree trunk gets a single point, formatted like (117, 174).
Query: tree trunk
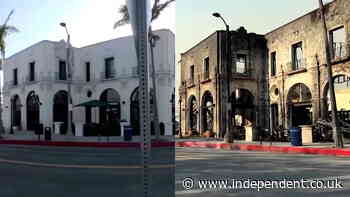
(338, 140)
(2, 129)
(155, 100)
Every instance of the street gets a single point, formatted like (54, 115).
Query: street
(76, 171)
(212, 164)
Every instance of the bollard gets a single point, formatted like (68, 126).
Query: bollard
(47, 133)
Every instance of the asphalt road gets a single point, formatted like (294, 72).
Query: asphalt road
(38, 171)
(210, 164)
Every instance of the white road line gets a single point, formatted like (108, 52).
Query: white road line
(81, 166)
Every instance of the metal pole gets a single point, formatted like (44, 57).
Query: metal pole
(11, 129)
(138, 12)
(226, 72)
(69, 121)
(152, 41)
(180, 131)
(228, 60)
(338, 140)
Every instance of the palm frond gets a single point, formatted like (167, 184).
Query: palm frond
(5, 30)
(8, 17)
(2, 48)
(123, 10)
(157, 8)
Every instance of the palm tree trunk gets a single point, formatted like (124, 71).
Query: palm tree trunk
(155, 103)
(2, 129)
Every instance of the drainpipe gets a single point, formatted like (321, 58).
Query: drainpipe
(318, 86)
(283, 100)
(199, 106)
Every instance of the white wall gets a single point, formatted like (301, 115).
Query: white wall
(47, 54)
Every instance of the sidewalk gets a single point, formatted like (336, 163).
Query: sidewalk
(29, 138)
(278, 147)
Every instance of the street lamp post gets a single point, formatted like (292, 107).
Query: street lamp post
(12, 108)
(69, 122)
(226, 71)
(180, 131)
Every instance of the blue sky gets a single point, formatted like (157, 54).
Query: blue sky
(88, 21)
(194, 20)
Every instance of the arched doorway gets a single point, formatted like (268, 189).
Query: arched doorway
(111, 97)
(33, 111)
(16, 111)
(60, 108)
(299, 101)
(242, 113)
(111, 114)
(342, 95)
(193, 112)
(242, 105)
(207, 112)
(135, 111)
(162, 128)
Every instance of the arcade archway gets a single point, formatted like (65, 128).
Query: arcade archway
(16, 111)
(207, 112)
(60, 108)
(193, 113)
(342, 95)
(299, 101)
(33, 111)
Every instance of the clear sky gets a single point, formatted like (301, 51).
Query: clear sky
(194, 20)
(88, 21)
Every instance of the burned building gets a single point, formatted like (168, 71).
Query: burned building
(203, 78)
(278, 79)
(298, 82)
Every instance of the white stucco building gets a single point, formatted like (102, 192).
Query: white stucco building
(102, 71)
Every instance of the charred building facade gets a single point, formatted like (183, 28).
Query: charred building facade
(299, 93)
(278, 79)
(203, 76)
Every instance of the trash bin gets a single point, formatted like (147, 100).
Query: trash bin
(295, 136)
(127, 133)
(47, 133)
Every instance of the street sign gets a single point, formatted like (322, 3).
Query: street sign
(140, 15)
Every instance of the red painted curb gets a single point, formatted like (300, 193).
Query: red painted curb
(277, 149)
(86, 144)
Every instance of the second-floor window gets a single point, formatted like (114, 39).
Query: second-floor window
(337, 39)
(297, 56)
(206, 68)
(109, 68)
(32, 71)
(87, 65)
(15, 76)
(273, 64)
(241, 63)
(62, 71)
(192, 74)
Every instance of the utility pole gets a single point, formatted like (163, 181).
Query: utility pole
(225, 91)
(140, 13)
(152, 41)
(180, 131)
(69, 68)
(337, 136)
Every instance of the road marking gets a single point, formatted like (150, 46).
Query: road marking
(83, 166)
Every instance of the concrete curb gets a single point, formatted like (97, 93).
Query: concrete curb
(87, 144)
(264, 148)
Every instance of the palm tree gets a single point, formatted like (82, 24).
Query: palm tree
(5, 30)
(156, 10)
